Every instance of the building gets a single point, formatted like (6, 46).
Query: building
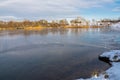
(79, 21)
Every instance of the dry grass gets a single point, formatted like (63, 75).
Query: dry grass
(22, 28)
(77, 27)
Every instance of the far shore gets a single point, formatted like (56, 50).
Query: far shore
(43, 27)
(78, 22)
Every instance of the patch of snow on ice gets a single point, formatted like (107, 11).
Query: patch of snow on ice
(113, 55)
(114, 71)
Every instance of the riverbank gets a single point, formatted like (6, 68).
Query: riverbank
(42, 27)
(113, 57)
(22, 28)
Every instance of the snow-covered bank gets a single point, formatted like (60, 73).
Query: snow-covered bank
(115, 26)
(112, 73)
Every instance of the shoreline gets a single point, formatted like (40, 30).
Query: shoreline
(112, 57)
(43, 27)
(22, 28)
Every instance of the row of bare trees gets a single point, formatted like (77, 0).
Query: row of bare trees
(28, 23)
(55, 23)
(111, 20)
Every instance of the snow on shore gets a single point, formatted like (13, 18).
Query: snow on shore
(115, 26)
(112, 73)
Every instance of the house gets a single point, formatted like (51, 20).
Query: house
(79, 21)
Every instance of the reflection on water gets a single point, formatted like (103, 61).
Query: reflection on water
(54, 54)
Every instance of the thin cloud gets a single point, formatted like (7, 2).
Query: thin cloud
(116, 9)
(45, 8)
(8, 18)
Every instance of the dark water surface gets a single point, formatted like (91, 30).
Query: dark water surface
(54, 54)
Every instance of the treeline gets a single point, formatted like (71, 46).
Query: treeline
(28, 23)
(78, 22)
(111, 20)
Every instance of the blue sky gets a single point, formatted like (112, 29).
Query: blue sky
(58, 9)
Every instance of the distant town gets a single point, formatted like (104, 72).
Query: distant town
(78, 22)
